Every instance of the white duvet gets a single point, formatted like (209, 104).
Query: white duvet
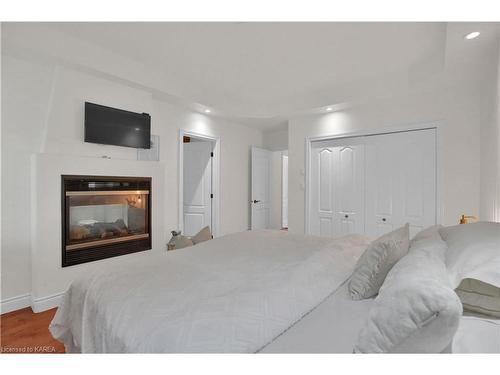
(234, 294)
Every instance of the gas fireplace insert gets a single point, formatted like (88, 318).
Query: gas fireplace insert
(104, 217)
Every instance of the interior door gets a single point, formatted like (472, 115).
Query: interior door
(197, 185)
(261, 188)
(337, 188)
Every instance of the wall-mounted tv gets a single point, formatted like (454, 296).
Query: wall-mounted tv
(111, 126)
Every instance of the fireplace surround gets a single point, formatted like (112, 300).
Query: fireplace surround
(104, 216)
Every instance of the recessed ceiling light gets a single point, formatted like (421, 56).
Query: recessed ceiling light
(207, 110)
(329, 109)
(472, 35)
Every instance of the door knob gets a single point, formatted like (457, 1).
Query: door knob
(384, 219)
(256, 201)
(346, 216)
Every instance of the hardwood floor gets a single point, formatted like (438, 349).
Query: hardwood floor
(23, 331)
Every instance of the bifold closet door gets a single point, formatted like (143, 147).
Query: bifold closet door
(337, 188)
(373, 184)
(400, 181)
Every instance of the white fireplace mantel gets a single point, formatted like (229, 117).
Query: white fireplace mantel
(49, 279)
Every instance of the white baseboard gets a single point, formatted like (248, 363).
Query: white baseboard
(15, 303)
(46, 303)
(26, 300)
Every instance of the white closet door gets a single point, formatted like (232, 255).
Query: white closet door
(418, 179)
(337, 182)
(322, 199)
(400, 181)
(382, 184)
(349, 189)
(373, 184)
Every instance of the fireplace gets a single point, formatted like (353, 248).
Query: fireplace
(104, 217)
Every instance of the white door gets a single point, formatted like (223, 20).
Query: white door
(401, 181)
(197, 193)
(284, 194)
(374, 184)
(337, 188)
(261, 188)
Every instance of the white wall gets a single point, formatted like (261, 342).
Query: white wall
(456, 108)
(43, 113)
(490, 138)
(276, 140)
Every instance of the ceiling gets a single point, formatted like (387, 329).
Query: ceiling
(262, 72)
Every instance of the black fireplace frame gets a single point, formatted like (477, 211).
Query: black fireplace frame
(98, 183)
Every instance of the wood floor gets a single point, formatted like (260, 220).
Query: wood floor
(23, 331)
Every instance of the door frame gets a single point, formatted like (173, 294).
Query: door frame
(284, 154)
(216, 184)
(364, 133)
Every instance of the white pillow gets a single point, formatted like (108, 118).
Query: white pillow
(430, 232)
(202, 236)
(479, 297)
(378, 259)
(417, 310)
(473, 261)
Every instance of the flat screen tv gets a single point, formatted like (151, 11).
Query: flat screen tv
(111, 126)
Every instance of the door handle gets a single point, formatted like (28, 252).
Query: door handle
(346, 216)
(384, 219)
(256, 201)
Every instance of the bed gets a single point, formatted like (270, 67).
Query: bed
(236, 293)
(261, 291)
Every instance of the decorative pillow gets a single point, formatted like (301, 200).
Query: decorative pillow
(182, 241)
(378, 259)
(202, 235)
(417, 310)
(479, 297)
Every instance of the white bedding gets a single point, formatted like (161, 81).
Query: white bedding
(233, 294)
(334, 326)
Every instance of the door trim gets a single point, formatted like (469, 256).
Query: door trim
(284, 154)
(216, 184)
(366, 133)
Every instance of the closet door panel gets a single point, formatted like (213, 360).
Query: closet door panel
(381, 185)
(349, 166)
(321, 219)
(337, 189)
(401, 181)
(418, 182)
